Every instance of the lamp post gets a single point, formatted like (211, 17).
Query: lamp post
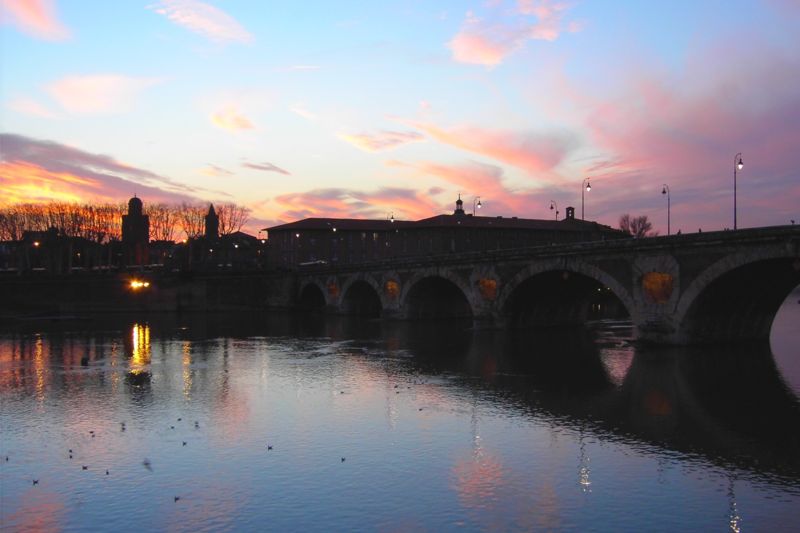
(476, 204)
(391, 217)
(665, 190)
(554, 205)
(585, 187)
(737, 165)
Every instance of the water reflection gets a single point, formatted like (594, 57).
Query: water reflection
(455, 426)
(138, 377)
(140, 348)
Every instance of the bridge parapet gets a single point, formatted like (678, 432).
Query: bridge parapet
(677, 289)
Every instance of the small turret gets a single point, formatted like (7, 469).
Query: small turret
(459, 206)
(212, 224)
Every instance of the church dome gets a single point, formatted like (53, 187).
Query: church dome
(134, 206)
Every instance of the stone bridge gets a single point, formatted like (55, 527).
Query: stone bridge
(680, 289)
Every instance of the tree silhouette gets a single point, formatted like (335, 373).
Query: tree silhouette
(637, 226)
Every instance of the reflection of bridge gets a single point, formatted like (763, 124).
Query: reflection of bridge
(678, 289)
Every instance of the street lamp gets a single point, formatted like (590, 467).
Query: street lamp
(665, 190)
(585, 187)
(476, 204)
(554, 205)
(737, 165)
(391, 217)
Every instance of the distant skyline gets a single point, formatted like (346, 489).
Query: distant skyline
(360, 109)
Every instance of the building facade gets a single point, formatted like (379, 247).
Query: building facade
(349, 241)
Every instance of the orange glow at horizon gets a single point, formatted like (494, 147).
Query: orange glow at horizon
(29, 183)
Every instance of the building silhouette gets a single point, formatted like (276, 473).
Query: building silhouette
(212, 224)
(348, 241)
(135, 234)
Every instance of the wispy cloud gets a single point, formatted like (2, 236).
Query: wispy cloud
(533, 152)
(477, 179)
(37, 18)
(266, 167)
(29, 106)
(216, 171)
(38, 170)
(204, 19)
(230, 118)
(351, 203)
(489, 40)
(303, 112)
(383, 140)
(99, 93)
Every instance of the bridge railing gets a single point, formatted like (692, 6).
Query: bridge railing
(701, 239)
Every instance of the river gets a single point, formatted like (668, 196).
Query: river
(275, 422)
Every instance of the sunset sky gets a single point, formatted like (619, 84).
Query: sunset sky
(361, 109)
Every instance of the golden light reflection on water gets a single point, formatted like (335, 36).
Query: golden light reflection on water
(140, 348)
(113, 361)
(39, 367)
(186, 350)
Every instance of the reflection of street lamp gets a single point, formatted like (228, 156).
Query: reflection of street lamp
(585, 187)
(476, 204)
(737, 165)
(35, 244)
(584, 471)
(665, 190)
(554, 205)
(734, 519)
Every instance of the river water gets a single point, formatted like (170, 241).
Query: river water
(296, 423)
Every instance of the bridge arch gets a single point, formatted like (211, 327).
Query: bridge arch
(361, 296)
(312, 296)
(738, 296)
(573, 281)
(437, 294)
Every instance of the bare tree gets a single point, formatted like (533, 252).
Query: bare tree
(191, 219)
(103, 222)
(231, 218)
(163, 220)
(637, 226)
(10, 224)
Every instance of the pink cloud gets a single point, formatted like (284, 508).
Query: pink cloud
(533, 152)
(351, 203)
(474, 179)
(383, 140)
(685, 132)
(489, 41)
(204, 19)
(99, 93)
(485, 44)
(229, 118)
(34, 17)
